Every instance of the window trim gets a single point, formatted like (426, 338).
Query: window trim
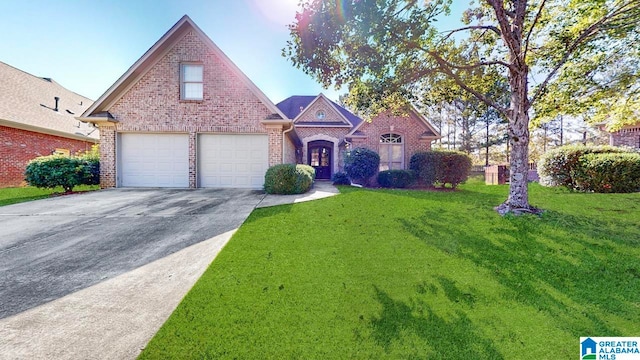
(183, 82)
(388, 140)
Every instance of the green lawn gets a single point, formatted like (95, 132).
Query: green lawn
(21, 194)
(379, 274)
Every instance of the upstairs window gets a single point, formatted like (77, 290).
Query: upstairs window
(391, 152)
(191, 81)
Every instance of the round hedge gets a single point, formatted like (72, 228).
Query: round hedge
(361, 164)
(441, 167)
(557, 167)
(608, 173)
(65, 171)
(287, 179)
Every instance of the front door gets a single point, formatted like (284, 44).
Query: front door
(320, 158)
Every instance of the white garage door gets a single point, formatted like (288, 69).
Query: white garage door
(232, 160)
(154, 160)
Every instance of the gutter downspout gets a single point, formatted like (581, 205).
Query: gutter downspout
(283, 141)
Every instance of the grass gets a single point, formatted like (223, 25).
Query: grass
(15, 195)
(378, 274)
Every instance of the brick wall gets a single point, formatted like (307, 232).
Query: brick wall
(18, 146)
(410, 127)
(153, 104)
(290, 151)
(331, 115)
(629, 136)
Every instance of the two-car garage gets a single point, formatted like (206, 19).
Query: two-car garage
(221, 160)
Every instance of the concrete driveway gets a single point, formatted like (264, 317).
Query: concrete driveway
(53, 247)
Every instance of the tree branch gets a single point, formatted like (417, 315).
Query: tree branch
(444, 67)
(477, 65)
(505, 25)
(533, 25)
(473, 27)
(589, 32)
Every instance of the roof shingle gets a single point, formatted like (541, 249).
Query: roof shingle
(28, 101)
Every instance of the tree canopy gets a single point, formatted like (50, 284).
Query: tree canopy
(565, 56)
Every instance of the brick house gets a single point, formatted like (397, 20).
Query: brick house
(37, 118)
(184, 115)
(627, 136)
(327, 131)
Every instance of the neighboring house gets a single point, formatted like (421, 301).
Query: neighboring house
(37, 118)
(328, 130)
(184, 115)
(627, 136)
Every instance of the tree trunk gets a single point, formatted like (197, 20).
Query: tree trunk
(486, 157)
(518, 200)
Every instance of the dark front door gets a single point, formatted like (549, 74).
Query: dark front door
(320, 158)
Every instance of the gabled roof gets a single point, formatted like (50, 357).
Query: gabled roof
(429, 133)
(28, 102)
(155, 53)
(291, 108)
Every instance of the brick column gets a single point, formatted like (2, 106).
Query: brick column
(107, 157)
(275, 144)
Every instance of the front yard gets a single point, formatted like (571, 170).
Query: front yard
(14, 195)
(374, 274)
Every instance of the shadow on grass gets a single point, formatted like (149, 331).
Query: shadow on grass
(455, 338)
(567, 266)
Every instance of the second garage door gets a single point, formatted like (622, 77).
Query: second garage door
(232, 160)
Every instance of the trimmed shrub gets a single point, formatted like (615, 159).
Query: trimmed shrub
(56, 170)
(441, 167)
(395, 178)
(340, 178)
(558, 167)
(424, 165)
(91, 159)
(361, 164)
(288, 179)
(608, 173)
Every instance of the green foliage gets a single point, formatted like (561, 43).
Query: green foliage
(388, 50)
(442, 277)
(424, 164)
(396, 178)
(441, 167)
(361, 164)
(558, 166)
(288, 179)
(609, 173)
(67, 172)
(91, 160)
(340, 178)
(307, 169)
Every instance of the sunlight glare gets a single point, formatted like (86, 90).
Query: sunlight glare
(278, 12)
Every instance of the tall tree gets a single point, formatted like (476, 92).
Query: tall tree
(383, 48)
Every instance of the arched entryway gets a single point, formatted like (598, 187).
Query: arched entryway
(320, 157)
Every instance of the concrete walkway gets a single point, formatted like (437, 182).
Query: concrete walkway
(321, 189)
(116, 318)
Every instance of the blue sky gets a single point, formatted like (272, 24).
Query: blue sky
(87, 45)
